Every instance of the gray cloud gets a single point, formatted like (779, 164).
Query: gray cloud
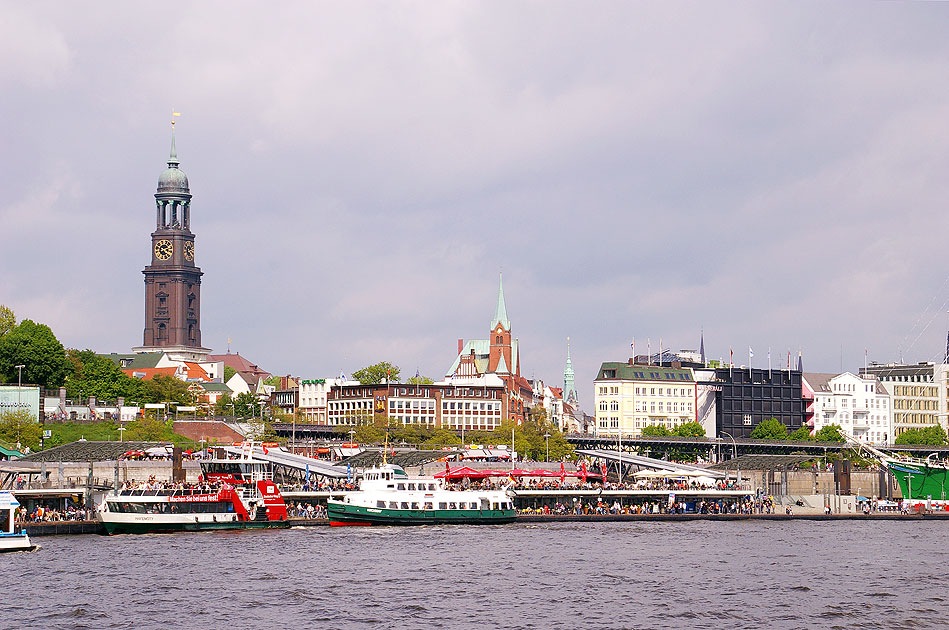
(772, 173)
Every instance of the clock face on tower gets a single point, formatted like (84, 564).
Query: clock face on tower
(189, 250)
(164, 249)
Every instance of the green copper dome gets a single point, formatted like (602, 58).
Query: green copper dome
(173, 179)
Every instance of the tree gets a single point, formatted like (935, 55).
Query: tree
(770, 429)
(932, 435)
(161, 388)
(150, 428)
(419, 380)
(830, 433)
(36, 348)
(377, 373)
(690, 429)
(228, 373)
(7, 320)
(273, 381)
(655, 430)
(97, 376)
(19, 427)
(802, 434)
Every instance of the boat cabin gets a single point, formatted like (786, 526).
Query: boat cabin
(8, 506)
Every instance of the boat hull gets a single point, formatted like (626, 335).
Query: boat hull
(155, 527)
(340, 514)
(919, 481)
(15, 542)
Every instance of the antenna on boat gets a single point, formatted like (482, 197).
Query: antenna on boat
(385, 448)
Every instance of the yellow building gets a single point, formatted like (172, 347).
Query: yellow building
(629, 397)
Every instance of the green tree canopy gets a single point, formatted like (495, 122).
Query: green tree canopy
(770, 429)
(690, 429)
(19, 426)
(161, 388)
(830, 433)
(228, 373)
(7, 320)
(93, 375)
(36, 348)
(655, 430)
(932, 435)
(529, 440)
(150, 428)
(802, 434)
(377, 373)
(419, 380)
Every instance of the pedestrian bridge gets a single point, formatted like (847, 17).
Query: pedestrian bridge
(296, 465)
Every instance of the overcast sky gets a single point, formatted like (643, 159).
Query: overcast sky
(777, 173)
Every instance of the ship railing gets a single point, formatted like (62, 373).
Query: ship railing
(167, 492)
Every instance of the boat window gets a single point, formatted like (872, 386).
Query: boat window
(473, 506)
(393, 505)
(411, 486)
(494, 506)
(428, 505)
(381, 504)
(442, 505)
(405, 505)
(400, 486)
(414, 505)
(452, 506)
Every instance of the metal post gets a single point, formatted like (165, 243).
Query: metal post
(547, 440)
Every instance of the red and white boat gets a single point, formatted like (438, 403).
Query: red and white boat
(237, 494)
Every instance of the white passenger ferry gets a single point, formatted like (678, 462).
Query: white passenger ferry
(240, 494)
(388, 496)
(12, 536)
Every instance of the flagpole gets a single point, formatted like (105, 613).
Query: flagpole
(769, 363)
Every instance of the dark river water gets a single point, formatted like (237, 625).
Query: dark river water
(743, 574)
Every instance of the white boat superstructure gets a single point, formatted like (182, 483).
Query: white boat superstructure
(12, 536)
(388, 495)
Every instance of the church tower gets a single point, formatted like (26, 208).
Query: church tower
(499, 344)
(569, 386)
(172, 281)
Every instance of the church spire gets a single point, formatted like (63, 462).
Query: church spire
(500, 314)
(702, 347)
(569, 387)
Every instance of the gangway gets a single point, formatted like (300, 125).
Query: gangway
(301, 463)
(640, 462)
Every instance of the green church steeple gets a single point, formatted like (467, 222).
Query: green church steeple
(500, 314)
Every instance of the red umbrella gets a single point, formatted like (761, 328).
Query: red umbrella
(563, 473)
(520, 472)
(541, 472)
(583, 471)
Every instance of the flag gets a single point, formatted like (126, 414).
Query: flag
(583, 471)
(603, 471)
(633, 348)
(563, 473)
(751, 353)
(731, 357)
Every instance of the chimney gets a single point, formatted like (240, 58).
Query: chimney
(461, 345)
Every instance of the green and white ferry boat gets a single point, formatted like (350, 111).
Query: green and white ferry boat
(388, 496)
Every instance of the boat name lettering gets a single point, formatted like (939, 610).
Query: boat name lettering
(196, 498)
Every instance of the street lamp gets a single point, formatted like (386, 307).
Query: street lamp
(734, 453)
(547, 440)
(19, 384)
(352, 436)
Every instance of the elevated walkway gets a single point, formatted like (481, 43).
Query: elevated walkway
(634, 463)
(292, 461)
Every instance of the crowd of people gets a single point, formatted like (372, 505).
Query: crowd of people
(169, 487)
(764, 505)
(40, 514)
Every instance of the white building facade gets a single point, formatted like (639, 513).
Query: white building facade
(861, 407)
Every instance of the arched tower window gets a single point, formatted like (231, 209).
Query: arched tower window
(191, 335)
(161, 332)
